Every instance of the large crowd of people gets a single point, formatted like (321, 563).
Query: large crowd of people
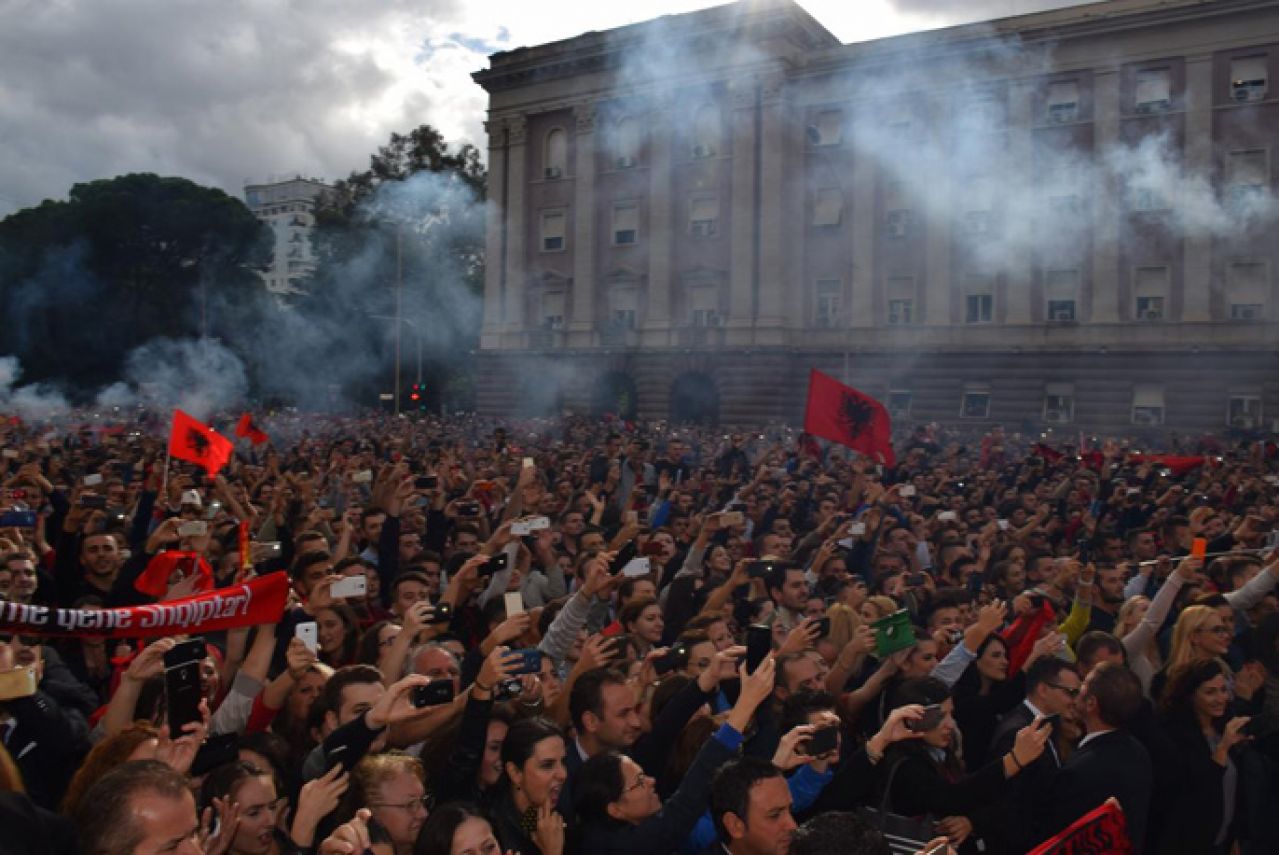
(592, 636)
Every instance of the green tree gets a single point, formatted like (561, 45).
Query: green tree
(120, 261)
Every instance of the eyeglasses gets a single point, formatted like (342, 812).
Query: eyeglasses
(639, 782)
(425, 803)
(1074, 693)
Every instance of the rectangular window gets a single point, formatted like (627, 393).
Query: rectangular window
(1059, 403)
(1062, 102)
(901, 300)
(625, 223)
(979, 308)
(703, 216)
(826, 303)
(1249, 78)
(899, 401)
(1152, 92)
(1247, 176)
(828, 207)
(1150, 285)
(553, 224)
(828, 129)
(897, 207)
(1247, 284)
(1061, 291)
(703, 306)
(1244, 412)
(1147, 405)
(975, 405)
(553, 303)
(623, 308)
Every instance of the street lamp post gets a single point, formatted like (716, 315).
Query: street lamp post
(399, 300)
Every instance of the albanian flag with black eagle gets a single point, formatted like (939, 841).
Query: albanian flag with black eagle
(246, 428)
(851, 418)
(198, 443)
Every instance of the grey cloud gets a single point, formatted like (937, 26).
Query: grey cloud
(218, 92)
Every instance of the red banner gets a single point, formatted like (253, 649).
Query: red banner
(1099, 830)
(257, 601)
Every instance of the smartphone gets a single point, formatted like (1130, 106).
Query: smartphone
(514, 603)
(932, 717)
(1272, 539)
(426, 482)
(651, 548)
(523, 528)
(364, 476)
(182, 683)
(823, 741)
(637, 567)
(532, 661)
(11, 454)
(622, 646)
(432, 694)
(823, 627)
(468, 509)
(92, 480)
(18, 519)
(857, 529)
(731, 518)
(350, 586)
(1262, 725)
(218, 750)
(529, 463)
(1199, 547)
(496, 564)
(443, 613)
(18, 683)
(624, 556)
(947, 516)
(759, 643)
(907, 491)
(672, 660)
(193, 528)
(310, 635)
(508, 690)
(94, 502)
(760, 569)
(1003, 524)
(917, 579)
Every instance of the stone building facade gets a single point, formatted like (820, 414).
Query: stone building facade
(1064, 219)
(287, 206)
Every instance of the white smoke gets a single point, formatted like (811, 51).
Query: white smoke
(37, 402)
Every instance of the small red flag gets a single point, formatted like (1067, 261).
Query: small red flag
(170, 567)
(1102, 829)
(198, 443)
(842, 414)
(247, 429)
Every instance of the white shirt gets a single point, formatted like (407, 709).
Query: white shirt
(1093, 734)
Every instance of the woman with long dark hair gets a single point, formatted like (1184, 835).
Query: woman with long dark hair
(1194, 709)
(533, 778)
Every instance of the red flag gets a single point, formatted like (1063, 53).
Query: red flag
(198, 443)
(1049, 454)
(1178, 464)
(170, 567)
(246, 429)
(1021, 635)
(842, 414)
(1102, 829)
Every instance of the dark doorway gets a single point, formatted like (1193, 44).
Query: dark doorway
(615, 394)
(694, 399)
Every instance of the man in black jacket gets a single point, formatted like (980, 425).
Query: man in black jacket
(1109, 762)
(1051, 689)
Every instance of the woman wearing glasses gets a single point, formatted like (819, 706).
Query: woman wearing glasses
(391, 785)
(1200, 634)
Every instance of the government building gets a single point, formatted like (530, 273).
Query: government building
(1063, 219)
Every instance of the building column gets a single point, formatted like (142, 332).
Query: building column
(865, 225)
(516, 227)
(495, 221)
(1104, 286)
(660, 233)
(1196, 273)
(1017, 270)
(938, 221)
(775, 279)
(742, 217)
(581, 329)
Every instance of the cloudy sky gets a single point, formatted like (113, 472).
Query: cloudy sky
(230, 91)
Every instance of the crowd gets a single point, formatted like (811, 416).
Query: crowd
(590, 637)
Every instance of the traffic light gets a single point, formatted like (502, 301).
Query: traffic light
(417, 397)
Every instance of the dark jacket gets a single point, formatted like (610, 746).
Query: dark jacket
(47, 742)
(1009, 824)
(458, 780)
(1194, 814)
(33, 830)
(666, 830)
(920, 788)
(1111, 764)
(507, 826)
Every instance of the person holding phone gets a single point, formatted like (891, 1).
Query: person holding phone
(338, 634)
(1195, 716)
(930, 779)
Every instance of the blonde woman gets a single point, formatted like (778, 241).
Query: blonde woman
(1200, 634)
(878, 607)
(1140, 618)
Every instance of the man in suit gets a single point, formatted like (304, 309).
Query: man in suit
(1109, 761)
(1051, 688)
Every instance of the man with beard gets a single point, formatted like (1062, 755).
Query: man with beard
(1108, 597)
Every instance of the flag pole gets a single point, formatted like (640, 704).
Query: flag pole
(164, 480)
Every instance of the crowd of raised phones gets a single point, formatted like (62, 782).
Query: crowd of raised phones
(589, 636)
